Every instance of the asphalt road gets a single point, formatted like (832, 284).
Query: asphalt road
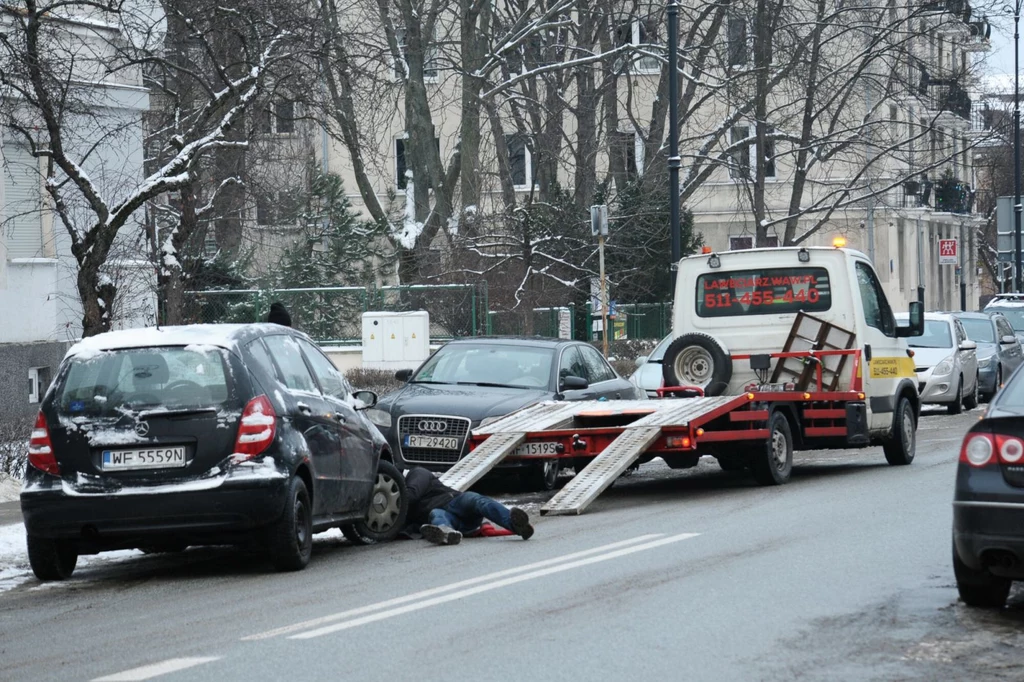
(697, 575)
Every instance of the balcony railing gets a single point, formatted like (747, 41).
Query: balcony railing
(958, 8)
(948, 195)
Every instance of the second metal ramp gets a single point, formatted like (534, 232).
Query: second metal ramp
(602, 471)
(476, 464)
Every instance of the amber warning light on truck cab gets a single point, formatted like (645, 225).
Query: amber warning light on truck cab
(839, 242)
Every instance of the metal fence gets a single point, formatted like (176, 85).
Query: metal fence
(333, 315)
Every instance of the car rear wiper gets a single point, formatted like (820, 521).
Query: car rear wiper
(182, 412)
(487, 383)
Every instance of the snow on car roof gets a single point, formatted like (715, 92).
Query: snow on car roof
(221, 335)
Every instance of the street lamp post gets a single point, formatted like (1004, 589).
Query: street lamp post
(673, 136)
(1016, 148)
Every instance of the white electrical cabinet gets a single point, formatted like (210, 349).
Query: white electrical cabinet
(395, 340)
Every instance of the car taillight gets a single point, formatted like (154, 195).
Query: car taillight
(982, 449)
(977, 449)
(40, 448)
(257, 428)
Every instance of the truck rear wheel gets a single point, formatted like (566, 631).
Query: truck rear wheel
(899, 450)
(697, 360)
(772, 464)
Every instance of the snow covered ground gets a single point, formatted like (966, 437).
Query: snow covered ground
(9, 488)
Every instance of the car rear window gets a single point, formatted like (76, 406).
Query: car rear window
(765, 291)
(936, 335)
(109, 382)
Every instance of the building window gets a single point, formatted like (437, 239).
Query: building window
(629, 146)
(430, 61)
(641, 33)
(747, 242)
(38, 382)
(744, 157)
(739, 52)
(277, 208)
(278, 119)
(402, 161)
(521, 161)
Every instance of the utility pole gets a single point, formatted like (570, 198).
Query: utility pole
(604, 297)
(1016, 147)
(673, 137)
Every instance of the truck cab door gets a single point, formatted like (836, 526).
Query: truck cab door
(890, 365)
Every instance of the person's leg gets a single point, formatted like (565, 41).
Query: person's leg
(471, 508)
(441, 528)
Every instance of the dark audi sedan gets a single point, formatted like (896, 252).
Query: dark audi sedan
(988, 506)
(209, 434)
(475, 381)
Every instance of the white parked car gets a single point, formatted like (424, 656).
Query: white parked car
(648, 374)
(946, 363)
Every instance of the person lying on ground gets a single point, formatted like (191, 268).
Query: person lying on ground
(445, 514)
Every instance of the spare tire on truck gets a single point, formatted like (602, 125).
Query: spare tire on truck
(697, 360)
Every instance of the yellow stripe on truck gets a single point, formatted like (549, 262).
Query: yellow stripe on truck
(891, 367)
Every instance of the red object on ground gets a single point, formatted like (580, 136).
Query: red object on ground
(489, 531)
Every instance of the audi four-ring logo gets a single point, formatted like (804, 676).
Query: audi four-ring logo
(432, 426)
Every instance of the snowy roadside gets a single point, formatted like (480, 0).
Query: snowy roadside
(9, 488)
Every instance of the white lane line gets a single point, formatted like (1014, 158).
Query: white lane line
(148, 672)
(332, 618)
(356, 622)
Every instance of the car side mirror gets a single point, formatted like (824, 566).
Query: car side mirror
(403, 375)
(366, 399)
(1009, 339)
(571, 383)
(641, 360)
(968, 345)
(915, 327)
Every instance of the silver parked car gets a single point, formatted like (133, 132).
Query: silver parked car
(648, 374)
(1012, 307)
(999, 350)
(946, 362)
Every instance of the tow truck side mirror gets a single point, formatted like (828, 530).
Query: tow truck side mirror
(915, 326)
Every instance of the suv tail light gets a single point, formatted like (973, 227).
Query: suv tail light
(40, 448)
(982, 449)
(257, 428)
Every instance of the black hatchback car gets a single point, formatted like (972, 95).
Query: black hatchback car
(988, 506)
(471, 382)
(208, 434)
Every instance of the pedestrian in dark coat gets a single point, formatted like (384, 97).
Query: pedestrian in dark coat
(279, 314)
(446, 513)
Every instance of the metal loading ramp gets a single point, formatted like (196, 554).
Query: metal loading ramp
(473, 466)
(586, 485)
(600, 473)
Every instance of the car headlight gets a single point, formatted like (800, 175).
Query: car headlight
(381, 418)
(944, 367)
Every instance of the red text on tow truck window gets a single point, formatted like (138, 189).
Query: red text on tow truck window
(766, 291)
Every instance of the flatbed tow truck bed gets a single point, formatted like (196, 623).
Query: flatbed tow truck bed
(617, 433)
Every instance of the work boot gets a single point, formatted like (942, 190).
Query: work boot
(440, 535)
(521, 523)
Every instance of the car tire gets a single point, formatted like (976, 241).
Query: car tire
(971, 401)
(542, 476)
(772, 463)
(957, 406)
(290, 538)
(697, 360)
(979, 589)
(901, 447)
(51, 559)
(389, 508)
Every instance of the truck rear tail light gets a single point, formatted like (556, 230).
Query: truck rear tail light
(977, 449)
(257, 428)
(40, 448)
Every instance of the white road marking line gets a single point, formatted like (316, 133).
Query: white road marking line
(148, 672)
(337, 627)
(323, 620)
